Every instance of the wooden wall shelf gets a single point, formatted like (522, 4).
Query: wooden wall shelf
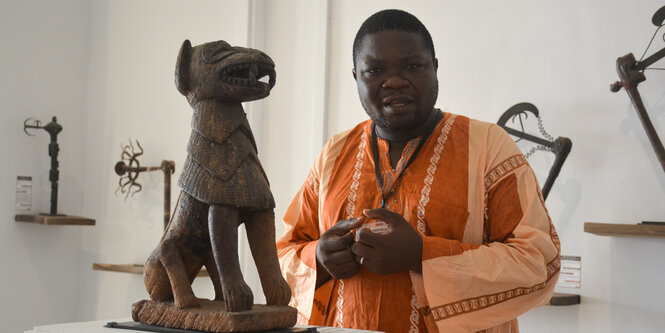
(624, 230)
(130, 268)
(54, 219)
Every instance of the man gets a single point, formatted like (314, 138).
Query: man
(416, 220)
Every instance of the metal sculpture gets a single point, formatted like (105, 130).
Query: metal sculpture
(560, 146)
(53, 128)
(129, 168)
(631, 73)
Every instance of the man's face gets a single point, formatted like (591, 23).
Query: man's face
(396, 78)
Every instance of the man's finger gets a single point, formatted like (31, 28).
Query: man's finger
(347, 266)
(334, 244)
(362, 250)
(382, 214)
(369, 238)
(341, 257)
(342, 270)
(344, 226)
(349, 273)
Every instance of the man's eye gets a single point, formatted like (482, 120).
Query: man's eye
(414, 66)
(373, 71)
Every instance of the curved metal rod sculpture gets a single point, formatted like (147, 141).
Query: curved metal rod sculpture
(631, 73)
(560, 146)
(129, 172)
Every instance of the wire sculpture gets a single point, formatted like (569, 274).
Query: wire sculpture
(631, 73)
(560, 146)
(129, 172)
(129, 168)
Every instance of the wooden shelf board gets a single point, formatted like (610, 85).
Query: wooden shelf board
(54, 219)
(130, 268)
(624, 230)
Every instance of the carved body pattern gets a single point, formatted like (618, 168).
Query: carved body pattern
(223, 184)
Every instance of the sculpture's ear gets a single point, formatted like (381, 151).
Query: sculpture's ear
(182, 67)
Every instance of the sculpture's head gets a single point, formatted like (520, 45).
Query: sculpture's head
(221, 71)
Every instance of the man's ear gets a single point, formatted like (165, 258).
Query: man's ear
(354, 74)
(182, 67)
(436, 64)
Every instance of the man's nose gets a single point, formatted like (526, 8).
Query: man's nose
(395, 81)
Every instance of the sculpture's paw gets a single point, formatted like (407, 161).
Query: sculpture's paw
(278, 292)
(238, 296)
(186, 301)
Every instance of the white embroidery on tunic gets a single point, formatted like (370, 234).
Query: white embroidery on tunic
(422, 203)
(350, 210)
(503, 169)
(429, 179)
(340, 304)
(415, 316)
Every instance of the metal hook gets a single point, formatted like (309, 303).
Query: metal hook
(35, 124)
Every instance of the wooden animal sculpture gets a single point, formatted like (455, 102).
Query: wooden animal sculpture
(223, 184)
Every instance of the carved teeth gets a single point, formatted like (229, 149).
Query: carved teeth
(252, 74)
(272, 80)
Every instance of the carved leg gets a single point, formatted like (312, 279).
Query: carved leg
(223, 224)
(175, 268)
(157, 281)
(211, 267)
(261, 236)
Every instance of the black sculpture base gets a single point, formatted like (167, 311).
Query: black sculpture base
(132, 325)
(564, 299)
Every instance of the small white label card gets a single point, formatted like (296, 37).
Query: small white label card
(23, 193)
(571, 272)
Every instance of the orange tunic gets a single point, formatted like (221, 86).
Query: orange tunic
(490, 251)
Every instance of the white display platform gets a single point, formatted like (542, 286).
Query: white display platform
(592, 316)
(98, 327)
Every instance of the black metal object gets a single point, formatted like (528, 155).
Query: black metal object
(631, 73)
(133, 325)
(53, 128)
(129, 173)
(560, 146)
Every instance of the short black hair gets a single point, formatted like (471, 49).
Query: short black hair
(391, 19)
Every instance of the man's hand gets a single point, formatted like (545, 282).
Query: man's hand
(333, 252)
(399, 250)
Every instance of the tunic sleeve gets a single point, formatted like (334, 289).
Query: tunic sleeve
(468, 287)
(296, 249)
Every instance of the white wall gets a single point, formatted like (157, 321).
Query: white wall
(107, 73)
(44, 56)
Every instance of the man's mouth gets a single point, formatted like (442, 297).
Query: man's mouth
(397, 103)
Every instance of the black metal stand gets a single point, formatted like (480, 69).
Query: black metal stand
(52, 218)
(53, 128)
